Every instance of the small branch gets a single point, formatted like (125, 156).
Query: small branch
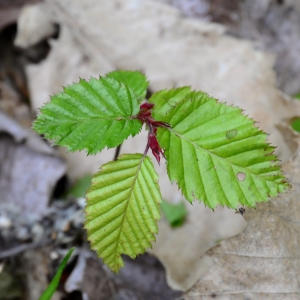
(148, 94)
(21, 248)
(146, 150)
(117, 152)
(149, 131)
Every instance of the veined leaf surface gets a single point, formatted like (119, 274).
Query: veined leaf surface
(135, 80)
(122, 208)
(217, 155)
(90, 115)
(165, 100)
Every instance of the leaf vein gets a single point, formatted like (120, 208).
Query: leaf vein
(88, 86)
(114, 95)
(205, 150)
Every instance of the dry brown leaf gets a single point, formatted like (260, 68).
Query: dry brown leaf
(68, 57)
(263, 262)
(173, 51)
(142, 278)
(98, 36)
(273, 25)
(10, 10)
(34, 18)
(29, 169)
(181, 250)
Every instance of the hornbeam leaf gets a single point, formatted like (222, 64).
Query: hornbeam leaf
(90, 115)
(122, 208)
(135, 80)
(164, 100)
(217, 155)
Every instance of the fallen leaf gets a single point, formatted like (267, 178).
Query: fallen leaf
(262, 262)
(272, 25)
(142, 278)
(177, 51)
(97, 37)
(43, 27)
(29, 169)
(182, 250)
(9, 12)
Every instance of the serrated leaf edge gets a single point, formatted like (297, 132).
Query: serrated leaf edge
(284, 183)
(116, 269)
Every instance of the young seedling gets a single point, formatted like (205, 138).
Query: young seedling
(213, 152)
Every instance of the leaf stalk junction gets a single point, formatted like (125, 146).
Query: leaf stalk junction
(145, 116)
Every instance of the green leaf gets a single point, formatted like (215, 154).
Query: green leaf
(135, 80)
(167, 99)
(56, 279)
(296, 124)
(174, 213)
(90, 115)
(80, 187)
(217, 155)
(297, 96)
(122, 209)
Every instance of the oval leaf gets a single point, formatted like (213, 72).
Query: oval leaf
(122, 209)
(90, 115)
(217, 155)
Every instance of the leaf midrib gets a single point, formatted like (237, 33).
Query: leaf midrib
(126, 207)
(215, 155)
(130, 118)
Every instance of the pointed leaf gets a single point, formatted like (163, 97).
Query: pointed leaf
(135, 80)
(217, 155)
(122, 209)
(90, 115)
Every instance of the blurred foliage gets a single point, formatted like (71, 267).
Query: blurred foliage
(174, 213)
(296, 124)
(79, 189)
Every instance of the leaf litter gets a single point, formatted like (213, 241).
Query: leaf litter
(266, 111)
(264, 260)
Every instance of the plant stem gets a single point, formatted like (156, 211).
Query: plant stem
(150, 128)
(117, 152)
(146, 150)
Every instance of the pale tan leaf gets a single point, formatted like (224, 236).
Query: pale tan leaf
(263, 262)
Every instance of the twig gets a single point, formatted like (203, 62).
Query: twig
(21, 248)
(117, 152)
